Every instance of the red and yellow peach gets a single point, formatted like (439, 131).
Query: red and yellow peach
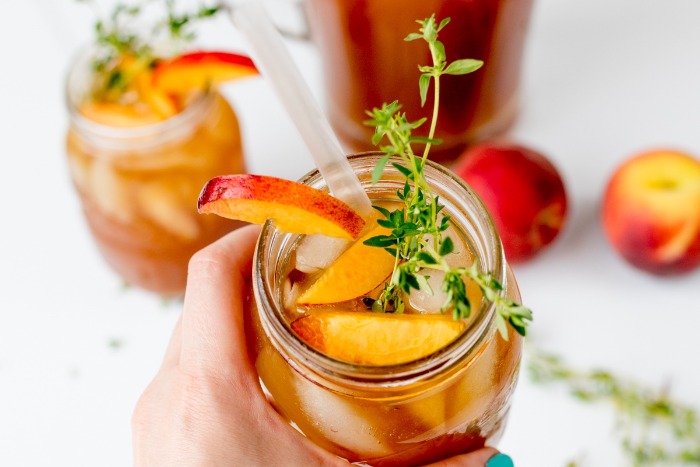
(651, 211)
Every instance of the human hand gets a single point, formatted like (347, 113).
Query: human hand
(205, 406)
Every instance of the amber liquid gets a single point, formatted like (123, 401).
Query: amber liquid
(367, 63)
(456, 411)
(140, 203)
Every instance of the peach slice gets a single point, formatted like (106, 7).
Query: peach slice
(197, 70)
(158, 100)
(367, 338)
(349, 276)
(117, 115)
(293, 207)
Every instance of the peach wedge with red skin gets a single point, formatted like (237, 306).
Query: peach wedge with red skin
(367, 338)
(197, 70)
(523, 191)
(293, 207)
(651, 211)
(348, 276)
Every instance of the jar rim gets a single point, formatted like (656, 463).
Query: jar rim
(166, 128)
(328, 368)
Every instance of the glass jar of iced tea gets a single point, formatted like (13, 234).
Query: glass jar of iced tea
(366, 62)
(454, 399)
(138, 176)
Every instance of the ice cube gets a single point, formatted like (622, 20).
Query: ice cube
(462, 256)
(317, 252)
(479, 390)
(466, 401)
(109, 191)
(429, 301)
(428, 413)
(162, 205)
(341, 421)
(290, 293)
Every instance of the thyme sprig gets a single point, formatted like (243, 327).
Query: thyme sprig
(416, 239)
(653, 429)
(123, 53)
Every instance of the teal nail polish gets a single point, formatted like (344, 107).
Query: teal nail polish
(500, 460)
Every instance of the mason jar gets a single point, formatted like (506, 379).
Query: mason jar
(452, 401)
(138, 182)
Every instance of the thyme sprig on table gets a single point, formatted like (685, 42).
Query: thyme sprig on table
(653, 429)
(122, 52)
(416, 239)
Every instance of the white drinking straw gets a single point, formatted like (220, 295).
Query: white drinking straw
(276, 64)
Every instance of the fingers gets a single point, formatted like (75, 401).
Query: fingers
(213, 338)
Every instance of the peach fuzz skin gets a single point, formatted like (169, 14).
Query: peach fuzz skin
(523, 191)
(199, 69)
(651, 211)
(294, 207)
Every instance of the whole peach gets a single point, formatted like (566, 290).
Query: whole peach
(651, 211)
(523, 191)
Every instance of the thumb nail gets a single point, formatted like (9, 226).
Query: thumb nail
(500, 460)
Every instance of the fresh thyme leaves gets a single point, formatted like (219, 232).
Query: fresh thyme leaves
(416, 239)
(177, 22)
(429, 32)
(653, 429)
(122, 53)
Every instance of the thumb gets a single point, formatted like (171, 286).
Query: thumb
(213, 340)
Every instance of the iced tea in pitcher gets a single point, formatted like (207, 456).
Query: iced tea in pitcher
(146, 131)
(366, 63)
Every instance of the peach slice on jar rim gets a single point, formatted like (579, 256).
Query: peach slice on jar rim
(199, 70)
(380, 339)
(293, 207)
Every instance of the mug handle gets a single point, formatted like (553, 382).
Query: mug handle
(288, 16)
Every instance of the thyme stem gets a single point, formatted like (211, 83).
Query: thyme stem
(653, 429)
(420, 216)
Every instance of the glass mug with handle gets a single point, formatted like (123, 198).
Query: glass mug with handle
(366, 62)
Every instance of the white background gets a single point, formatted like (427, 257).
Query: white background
(603, 80)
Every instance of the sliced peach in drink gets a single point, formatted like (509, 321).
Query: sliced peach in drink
(118, 115)
(376, 338)
(198, 70)
(358, 270)
(293, 207)
(159, 101)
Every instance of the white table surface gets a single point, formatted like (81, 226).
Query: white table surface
(603, 79)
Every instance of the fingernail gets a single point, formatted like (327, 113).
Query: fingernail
(500, 460)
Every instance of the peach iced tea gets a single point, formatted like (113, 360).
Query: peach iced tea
(382, 388)
(139, 159)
